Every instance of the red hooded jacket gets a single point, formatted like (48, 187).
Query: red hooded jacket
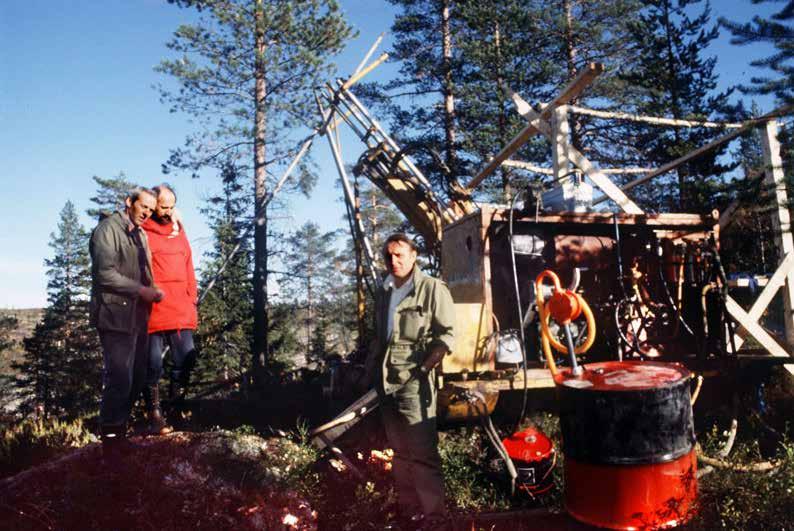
(172, 268)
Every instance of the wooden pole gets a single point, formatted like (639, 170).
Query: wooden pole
(703, 149)
(560, 140)
(579, 160)
(652, 119)
(340, 167)
(355, 78)
(574, 88)
(550, 171)
(368, 55)
(781, 221)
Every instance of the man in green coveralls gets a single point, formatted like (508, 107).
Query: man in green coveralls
(414, 317)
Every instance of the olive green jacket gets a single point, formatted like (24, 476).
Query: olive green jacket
(425, 317)
(120, 266)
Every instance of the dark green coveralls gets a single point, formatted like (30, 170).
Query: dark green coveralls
(422, 319)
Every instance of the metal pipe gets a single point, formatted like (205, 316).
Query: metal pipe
(349, 195)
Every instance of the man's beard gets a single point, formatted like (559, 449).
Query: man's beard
(162, 220)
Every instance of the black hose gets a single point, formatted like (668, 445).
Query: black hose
(670, 299)
(724, 292)
(625, 299)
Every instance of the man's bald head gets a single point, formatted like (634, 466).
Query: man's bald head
(166, 201)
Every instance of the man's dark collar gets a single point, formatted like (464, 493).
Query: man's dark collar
(128, 224)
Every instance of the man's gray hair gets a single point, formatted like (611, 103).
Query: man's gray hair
(136, 192)
(163, 186)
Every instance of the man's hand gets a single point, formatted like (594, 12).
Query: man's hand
(434, 357)
(149, 294)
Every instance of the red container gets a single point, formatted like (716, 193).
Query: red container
(628, 441)
(533, 455)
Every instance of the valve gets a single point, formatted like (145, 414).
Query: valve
(564, 306)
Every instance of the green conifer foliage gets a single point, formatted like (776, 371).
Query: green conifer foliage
(673, 78)
(110, 195)
(245, 71)
(225, 323)
(61, 372)
(777, 30)
(311, 274)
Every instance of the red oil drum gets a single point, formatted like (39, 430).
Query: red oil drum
(533, 455)
(629, 444)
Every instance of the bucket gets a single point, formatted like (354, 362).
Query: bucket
(534, 457)
(629, 444)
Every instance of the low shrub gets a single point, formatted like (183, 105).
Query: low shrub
(37, 440)
(735, 499)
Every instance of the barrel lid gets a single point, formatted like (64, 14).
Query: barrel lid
(624, 376)
(529, 445)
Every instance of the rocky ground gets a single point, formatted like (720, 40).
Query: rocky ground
(213, 480)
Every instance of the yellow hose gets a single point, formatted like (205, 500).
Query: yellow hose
(547, 339)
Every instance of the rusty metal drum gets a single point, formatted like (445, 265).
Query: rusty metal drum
(629, 444)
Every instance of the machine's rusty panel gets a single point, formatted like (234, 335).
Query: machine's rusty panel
(467, 275)
(462, 261)
(591, 252)
(472, 330)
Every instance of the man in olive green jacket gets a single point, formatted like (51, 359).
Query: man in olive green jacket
(122, 293)
(414, 317)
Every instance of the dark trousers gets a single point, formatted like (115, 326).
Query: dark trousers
(183, 352)
(409, 417)
(124, 374)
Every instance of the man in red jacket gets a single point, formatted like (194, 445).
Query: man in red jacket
(175, 317)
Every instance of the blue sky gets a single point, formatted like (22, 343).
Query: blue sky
(76, 101)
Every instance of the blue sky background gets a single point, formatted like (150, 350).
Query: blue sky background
(76, 100)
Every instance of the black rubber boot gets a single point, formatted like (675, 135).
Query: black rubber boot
(157, 422)
(177, 387)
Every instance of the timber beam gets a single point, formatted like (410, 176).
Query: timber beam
(573, 89)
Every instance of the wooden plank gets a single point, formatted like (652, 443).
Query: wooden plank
(768, 292)
(579, 160)
(674, 221)
(757, 331)
(582, 80)
(781, 222)
(573, 89)
(355, 78)
(514, 145)
(726, 216)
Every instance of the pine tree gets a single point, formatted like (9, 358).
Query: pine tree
(225, 324)
(246, 70)
(457, 83)
(379, 218)
(673, 78)
(309, 259)
(496, 41)
(61, 371)
(422, 100)
(110, 195)
(747, 243)
(779, 32)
